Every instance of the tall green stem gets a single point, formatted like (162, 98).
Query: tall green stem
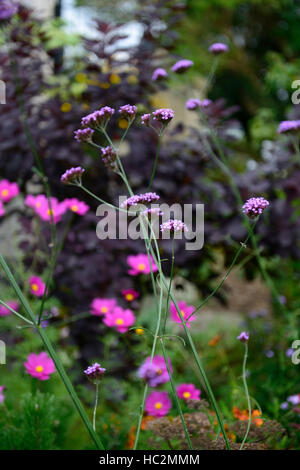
(247, 395)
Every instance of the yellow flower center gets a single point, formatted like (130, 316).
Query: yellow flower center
(104, 309)
(182, 313)
(50, 212)
(74, 208)
(186, 394)
(34, 287)
(158, 371)
(141, 267)
(119, 321)
(158, 405)
(4, 192)
(66, 107)
(39, 368)
(129, 296)
(139, 331)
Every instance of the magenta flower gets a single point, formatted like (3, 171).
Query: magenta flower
(4, 311)
(146, 119)
(103, 306)
(8, 190)
(182, 65)
(95, 373)
(37, 286)
(159, 74)
(74, 205)
(255, 206)
(40, 366)
(218, 48)
(128, 111)
(185, 311)
(173, 225)
(194, 103)
(35, 201)
(155, 372)
(84, 135)
(2, 210)
(53, 212)
(2, 397)
(73, 175)
(163, 115)
(188, 392)
(288, 127)
(137, 199)
(158, 404)
(139, 264)
(120, 319)
(130, 294)
(99, 117)
(243, 337)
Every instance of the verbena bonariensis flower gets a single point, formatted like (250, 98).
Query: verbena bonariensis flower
(4, 311)
(7, 9)
(255, 206)
(163, 115)
(8, 190)
(73, 175)
(101, 306)
(109, 157)
(155, 372)
(294, 399)
(74, 205)
(137, 199)
(128, 111)
(152, 211)
(289, 127)
(188, 392)
(185, 310)
(159, 74)
(158, 404)
(2, 210)
(120, 319)
(84, 135)
(95, 372)
(146, 119)
(139, 264)
(243, 337)
(130, 294)
(40, 366)
(99, 117)
(173, 225)
(37, 286)
(194, 103)
(182, 65)
(218, 48)
(51, 212)
(2, 397)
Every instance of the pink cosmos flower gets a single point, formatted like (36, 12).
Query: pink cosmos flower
(42, 208)
(2, 397)
(40, 366)
(2, 211)
(37, 286)
(185, 310)
(130, 294)
(8, 190)
(188, 392)
(102, 306)
(139, 264)
(4, 311)
(74, 205)
(155, 372)
(120, 319)
(158, 404)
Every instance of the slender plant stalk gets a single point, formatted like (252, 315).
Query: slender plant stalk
(95, 407)
(247, 395)
(155, 162)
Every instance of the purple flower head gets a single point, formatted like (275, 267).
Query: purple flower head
(137, 199)
(95, 372)
(99, 117)
(243, 337)
(288, 127)
(182, 65)
(84, 135)
(146, 119)
(164, 115)
(7, 9)
(284, 405)
(155, 373)
(255, 206)
(294, 399)
(153, 211)
(218, 48)
(159, 74)
(2, 397)
(194, 103)
(128, 111)
(173, 225)
(73, 175)
(109, 157)
(289, 352)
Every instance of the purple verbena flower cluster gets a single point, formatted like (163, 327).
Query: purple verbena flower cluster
(137, 199)
(95, 372)
(99, 117)
(73, 175)
(182, 65)
(243, 337)
(286, 127)
(174, 225)
(159, 74)
(109, 156)
(194, 103)
(163, 115)
(255, 206)
(84, 135)
(128, 111)
(218, 48)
